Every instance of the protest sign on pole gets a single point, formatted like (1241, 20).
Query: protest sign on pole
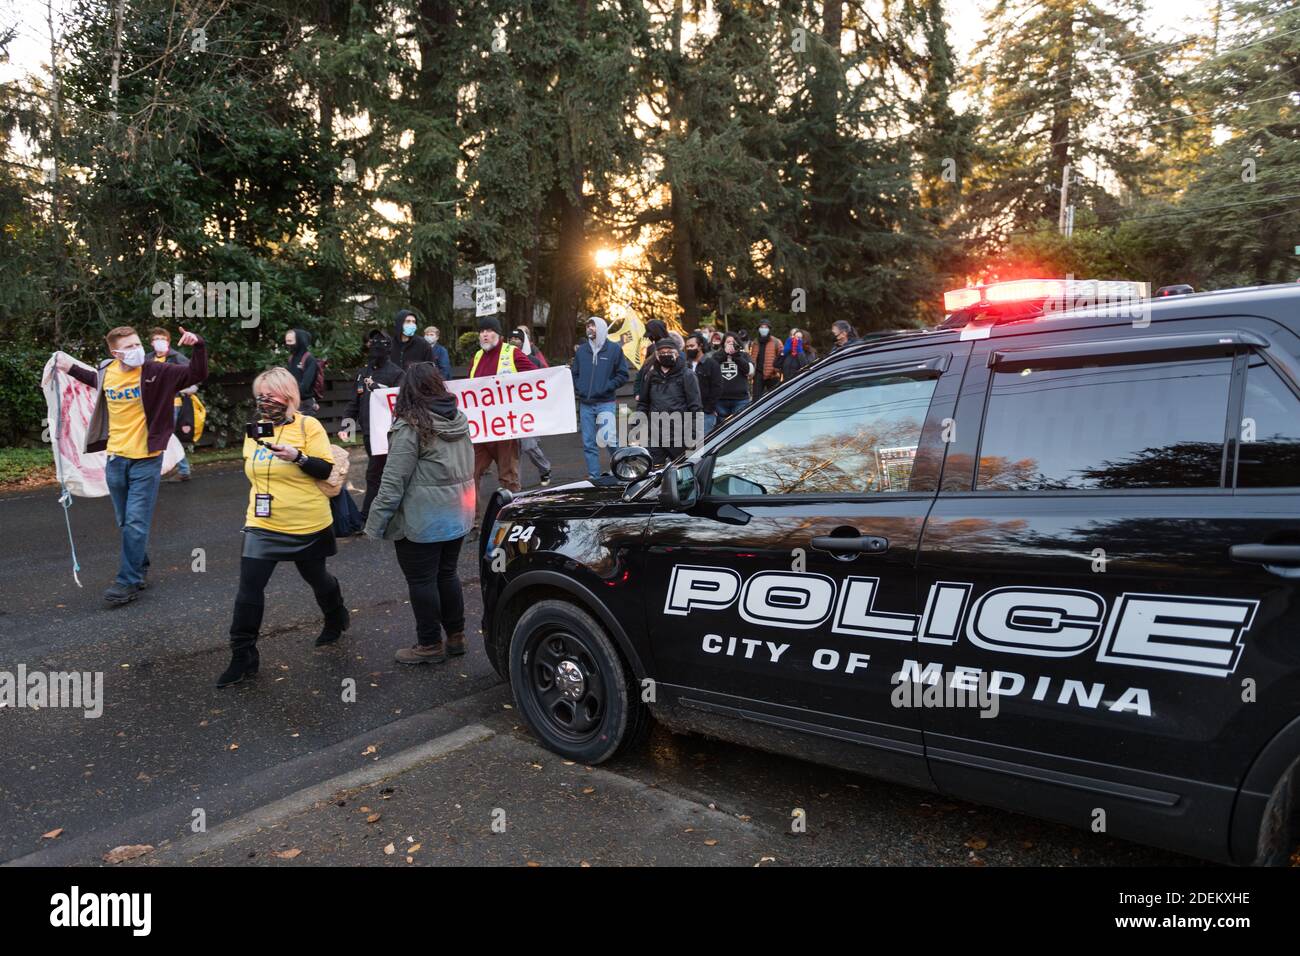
(499, 407)
(486, 294)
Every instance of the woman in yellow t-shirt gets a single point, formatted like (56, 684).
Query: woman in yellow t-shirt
(288, 519)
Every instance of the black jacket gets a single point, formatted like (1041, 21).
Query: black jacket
(734, 371)
(709, 375)
(387, 375)
(674, 391)
(796, 362)
(303, 365)
(415, 349)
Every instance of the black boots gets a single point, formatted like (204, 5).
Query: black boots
(243, 644)
(337, 618)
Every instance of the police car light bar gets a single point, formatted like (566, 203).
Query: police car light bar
(1061, 293)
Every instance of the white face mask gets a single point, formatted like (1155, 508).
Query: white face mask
(133, 357)
(160, 346)
(431, 339)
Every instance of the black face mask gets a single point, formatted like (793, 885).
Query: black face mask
(668, 361)
(377, 353)
(691, 353)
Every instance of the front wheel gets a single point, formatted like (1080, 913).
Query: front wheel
(571, 684)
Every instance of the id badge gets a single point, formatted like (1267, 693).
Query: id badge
(261, 506)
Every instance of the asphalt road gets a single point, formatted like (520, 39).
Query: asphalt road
(285, 763)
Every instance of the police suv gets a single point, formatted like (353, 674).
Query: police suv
(1044, 557)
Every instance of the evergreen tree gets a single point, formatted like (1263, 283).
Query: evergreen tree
(1066, 83)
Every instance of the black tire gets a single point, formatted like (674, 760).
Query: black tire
(571, 685)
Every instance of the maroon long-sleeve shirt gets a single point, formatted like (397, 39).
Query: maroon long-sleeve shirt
(159, 383)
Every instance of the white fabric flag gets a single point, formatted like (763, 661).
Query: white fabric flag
(69, 405)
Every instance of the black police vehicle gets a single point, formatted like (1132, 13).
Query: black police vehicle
(1085, 518)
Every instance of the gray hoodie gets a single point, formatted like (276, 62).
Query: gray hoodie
(602, 333)
(427, 493)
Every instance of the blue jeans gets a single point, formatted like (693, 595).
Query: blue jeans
(133, 486)
(729, 408)
(184, 467)
(710, 420)
(602, 418)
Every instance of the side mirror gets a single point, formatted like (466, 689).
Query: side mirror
(677, 488)
(630, 463)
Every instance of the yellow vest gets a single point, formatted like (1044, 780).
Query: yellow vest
(505, 364)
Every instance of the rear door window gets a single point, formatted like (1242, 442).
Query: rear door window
(1099, 425)
(1269, 452)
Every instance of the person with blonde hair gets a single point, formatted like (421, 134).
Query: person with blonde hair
(288, 518)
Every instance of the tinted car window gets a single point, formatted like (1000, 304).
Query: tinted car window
(858, 436)
(1157, 425)
(1269, 455)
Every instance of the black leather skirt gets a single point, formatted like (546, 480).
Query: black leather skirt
(278, 546)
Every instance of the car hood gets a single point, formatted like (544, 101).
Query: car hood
(582, 495)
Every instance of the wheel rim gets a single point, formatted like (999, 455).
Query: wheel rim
(566, 684)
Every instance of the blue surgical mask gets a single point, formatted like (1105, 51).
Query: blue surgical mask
(408, 328)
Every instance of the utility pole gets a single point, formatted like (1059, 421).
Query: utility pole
(1065, 198)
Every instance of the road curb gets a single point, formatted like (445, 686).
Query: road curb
(280, 810)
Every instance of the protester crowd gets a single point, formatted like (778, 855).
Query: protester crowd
(421, 491)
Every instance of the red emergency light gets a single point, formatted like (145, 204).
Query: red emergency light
(1063, 293)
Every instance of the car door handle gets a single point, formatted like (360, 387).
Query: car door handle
(863, 544)
(1280, 554)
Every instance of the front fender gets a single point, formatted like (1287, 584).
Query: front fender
(583, 597)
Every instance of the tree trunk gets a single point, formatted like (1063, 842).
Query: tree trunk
(1060, 134)
(824, 159)
(683, 253)
(433, 272)
(570, 269)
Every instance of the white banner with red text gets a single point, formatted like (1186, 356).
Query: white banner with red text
(499, 407)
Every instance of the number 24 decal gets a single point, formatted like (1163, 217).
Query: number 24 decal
(520, 533)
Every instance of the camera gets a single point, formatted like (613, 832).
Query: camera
(259, 430)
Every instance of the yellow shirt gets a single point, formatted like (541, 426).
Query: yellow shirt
(297, 505)
(128, 431)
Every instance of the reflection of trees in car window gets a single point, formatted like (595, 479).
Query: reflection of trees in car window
(854, 437)
(1154, 425)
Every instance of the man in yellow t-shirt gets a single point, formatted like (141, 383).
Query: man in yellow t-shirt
(133, 421)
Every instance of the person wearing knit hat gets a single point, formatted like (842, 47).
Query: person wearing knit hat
(670, 387)
(497, 357)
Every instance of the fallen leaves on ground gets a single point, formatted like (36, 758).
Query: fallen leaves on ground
(121, 853)
(286, 854)
(52, 835)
